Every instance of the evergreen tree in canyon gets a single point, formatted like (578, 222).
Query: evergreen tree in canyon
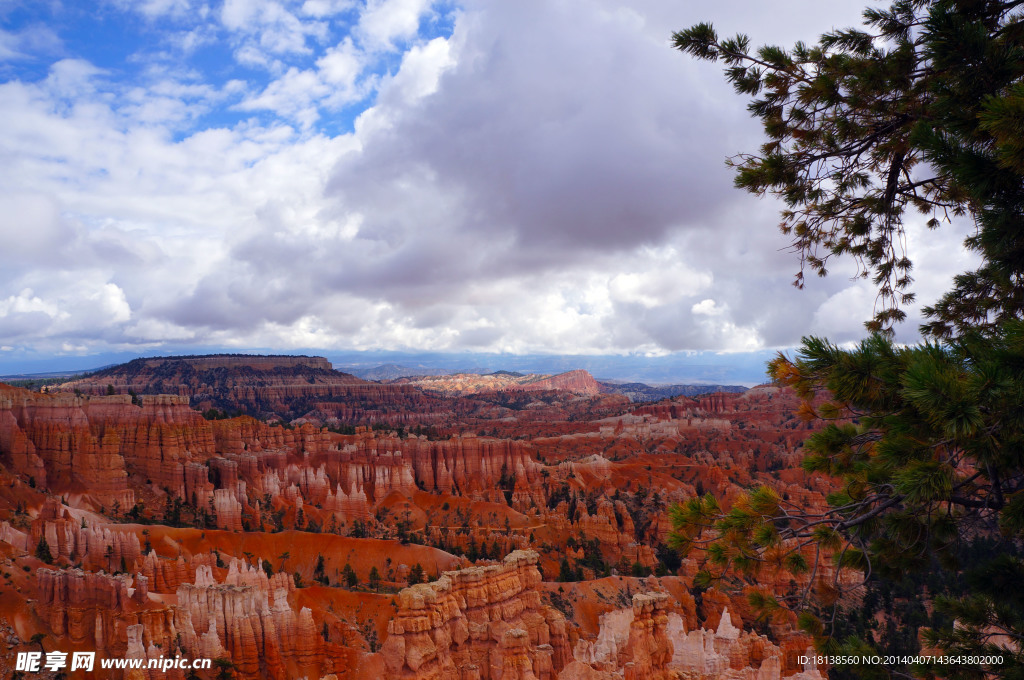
(921, 110)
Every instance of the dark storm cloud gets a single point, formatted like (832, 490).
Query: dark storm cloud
(557, 127)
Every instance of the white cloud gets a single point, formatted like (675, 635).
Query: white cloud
(664, 281)
(70, 78)
(31, 228)
(341, 65)
(383, 22)
(422, 68)
(113, 303)
(299, 94)
(161, 9)
(326, 8)
(843, 314)
(290, 96)
(269, 28)
(25, 302)
(707, 307)
(22, 44)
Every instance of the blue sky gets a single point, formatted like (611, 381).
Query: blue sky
(540, 177)
(227, 58)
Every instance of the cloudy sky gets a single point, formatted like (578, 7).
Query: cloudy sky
(524, 176)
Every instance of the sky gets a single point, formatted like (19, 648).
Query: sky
(501, 176)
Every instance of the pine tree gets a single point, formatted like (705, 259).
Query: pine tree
(416, 574)
(919, 110)
(43, 550)
(374, 578)
(349, 574)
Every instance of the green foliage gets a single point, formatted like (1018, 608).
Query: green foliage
(224, 668)
(349, 574)
(919, 110)
(43, 550)
(566, 573)
(319, 572)
(416, 574)
(991, 612)
(931, 457)
(374, 578)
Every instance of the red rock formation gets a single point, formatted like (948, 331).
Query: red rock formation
(53, 431)
(249, 619)
(457, 626)
(93, 609)
(228, 510)
(730, 652)
(91, 444)
(99, 546)
(578, 382)
(18, 539)
(516, 660)
(633, 641)
(649, 648)
(165, 575)
(649, 641)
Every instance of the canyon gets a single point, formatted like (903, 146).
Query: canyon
(294, 521)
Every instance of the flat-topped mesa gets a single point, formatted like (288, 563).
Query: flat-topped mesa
(253, 361)
(476, 623)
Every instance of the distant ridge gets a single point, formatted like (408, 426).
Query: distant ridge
(577, 381)
(641, 392)
(453, 381)
(49, 375)
(396, 371)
